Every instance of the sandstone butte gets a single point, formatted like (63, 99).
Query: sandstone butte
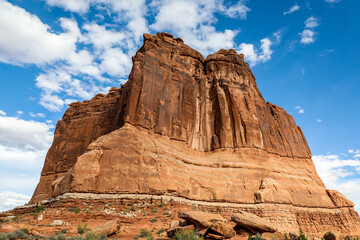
(194, 129)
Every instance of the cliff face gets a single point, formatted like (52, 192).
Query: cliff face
(195, 128)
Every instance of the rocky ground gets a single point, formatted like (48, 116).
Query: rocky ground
(121, 218)
(74, 217)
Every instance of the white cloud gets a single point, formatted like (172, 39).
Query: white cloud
(319, 120)
(51, 102)
(30, 160)
(115, 62)
(19, 133)
(26, 39)
(308, 34)
(255, 56)
(312, 22)
(332, 1)
(41, 115)
(9, 200)
(2, 113)
(335, 173)
(356, 152)
(133, 13)
(19, 112)
(292, 9)
(238, 10)
(193, 21)
(80, 6)
(277, 36)
(300, 109)
(23, 146)
(103, 38)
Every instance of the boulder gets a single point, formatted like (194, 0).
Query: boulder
(40, 217)
(201, 219)
(108, 228)
(252, 222)
(57, 222)
(174, 224)
(223, 229)
(214, 236)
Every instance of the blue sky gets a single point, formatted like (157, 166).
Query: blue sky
(304, 55)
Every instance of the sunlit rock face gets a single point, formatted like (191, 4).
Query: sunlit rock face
(194, 128)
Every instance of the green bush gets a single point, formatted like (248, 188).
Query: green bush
(38, 209)
(22, 234)
(58, 236)
(18, 234)
(25, 230)
(75, 209)
(82, 229)
(302, 235)
(145, 234)
(153, 220)
(187, 235)
(256, 237)
(160, 231)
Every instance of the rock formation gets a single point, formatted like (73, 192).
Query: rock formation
(194, 128)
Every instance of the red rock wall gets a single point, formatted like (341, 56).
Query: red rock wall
(210, 104)
(194, 128)
(81, 124)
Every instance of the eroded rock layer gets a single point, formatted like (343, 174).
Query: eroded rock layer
(194, 128)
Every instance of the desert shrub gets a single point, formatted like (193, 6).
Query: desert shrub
(82, 229)
(18, 234)
(75, 209)
(160, 231)
(58, 236)
(302, 236)
(91, 236)
(24, 230)
(132, 209)
(144, 233)
(187, 235)
(256, 237)
(153, 220)
(3, 236)
(38, 209)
